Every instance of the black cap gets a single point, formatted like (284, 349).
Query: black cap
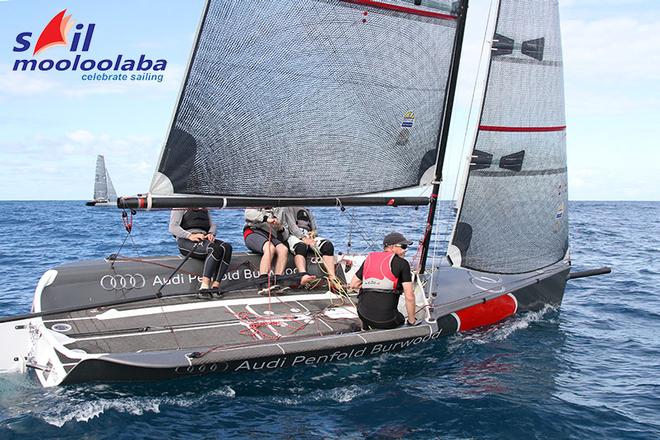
(395, 238)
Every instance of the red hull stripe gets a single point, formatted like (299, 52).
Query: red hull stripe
(487, 313)
(407, 10)
(521, 129)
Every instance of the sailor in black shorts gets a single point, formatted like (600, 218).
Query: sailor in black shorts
(382, 278)
(265, 235)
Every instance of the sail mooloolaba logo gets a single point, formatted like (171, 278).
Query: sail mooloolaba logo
(58, 32)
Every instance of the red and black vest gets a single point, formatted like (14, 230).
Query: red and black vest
(377, 273)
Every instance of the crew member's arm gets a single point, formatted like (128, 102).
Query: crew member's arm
(401, 269)
(356, 282)
(210, 236)
(409, 295)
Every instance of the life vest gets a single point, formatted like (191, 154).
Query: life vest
(377, 272)
(196, 219)
(303, 220)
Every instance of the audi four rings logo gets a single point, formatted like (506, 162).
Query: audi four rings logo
(124, 281)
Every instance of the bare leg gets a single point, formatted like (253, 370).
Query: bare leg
(301, 265)
(266, 258)
(329, 261)
(282, 254)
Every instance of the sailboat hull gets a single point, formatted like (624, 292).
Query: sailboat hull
(182, 335)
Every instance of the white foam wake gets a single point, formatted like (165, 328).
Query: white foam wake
(68, 410)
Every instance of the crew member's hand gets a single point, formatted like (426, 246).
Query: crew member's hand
(196, 237)
(309, 241)
(210, 237)
(412, 323)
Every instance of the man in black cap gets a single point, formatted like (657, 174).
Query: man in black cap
(381, 280)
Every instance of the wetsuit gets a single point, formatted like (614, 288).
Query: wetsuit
(382, 275)
(216, 254)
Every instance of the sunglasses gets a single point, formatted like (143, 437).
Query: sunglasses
(402, 246)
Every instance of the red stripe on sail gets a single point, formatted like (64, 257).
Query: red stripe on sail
(521, 129)
(397, 8)
(487, 313)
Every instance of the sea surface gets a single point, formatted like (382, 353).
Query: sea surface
(589, 369)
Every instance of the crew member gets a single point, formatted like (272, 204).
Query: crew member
(303, 238)
(195, 235)
(264, 234)
(382, 278)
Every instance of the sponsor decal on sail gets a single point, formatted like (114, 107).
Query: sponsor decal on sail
(408, 120)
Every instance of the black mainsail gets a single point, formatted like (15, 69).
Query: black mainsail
(513, 212)
(310, 99)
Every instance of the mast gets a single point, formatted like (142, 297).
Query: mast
(443, 134)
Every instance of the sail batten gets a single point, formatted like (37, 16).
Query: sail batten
(310, 99)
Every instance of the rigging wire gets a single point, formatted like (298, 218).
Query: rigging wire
(459, 174)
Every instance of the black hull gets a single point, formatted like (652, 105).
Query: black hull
(270, 356)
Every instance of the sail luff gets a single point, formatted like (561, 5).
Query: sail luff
(443, 133)
(462, 181)
(157, 177)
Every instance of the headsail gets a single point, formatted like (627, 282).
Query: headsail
(513, 214)
(112, 194)
(310, 99)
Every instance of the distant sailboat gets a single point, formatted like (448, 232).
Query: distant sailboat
(363, 90)
(104, 190)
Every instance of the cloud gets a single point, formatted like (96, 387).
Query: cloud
(130, 159)
(23, 83)
(54, 85)
(612, 49)
(81, 136)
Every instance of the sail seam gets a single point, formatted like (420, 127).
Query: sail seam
(521, 129)
(524, 61)
(519, 173)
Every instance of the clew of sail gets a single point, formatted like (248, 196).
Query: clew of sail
(310, 99)
(513, 212)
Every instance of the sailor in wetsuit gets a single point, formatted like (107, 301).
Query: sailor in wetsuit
(195, 232)
(381, 279)
(303, 238)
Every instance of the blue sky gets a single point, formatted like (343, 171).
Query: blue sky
(53, 124)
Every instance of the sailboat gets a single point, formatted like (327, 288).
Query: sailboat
(104, 190)
(327, 103)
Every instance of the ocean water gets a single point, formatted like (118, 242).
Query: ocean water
(589, 369)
